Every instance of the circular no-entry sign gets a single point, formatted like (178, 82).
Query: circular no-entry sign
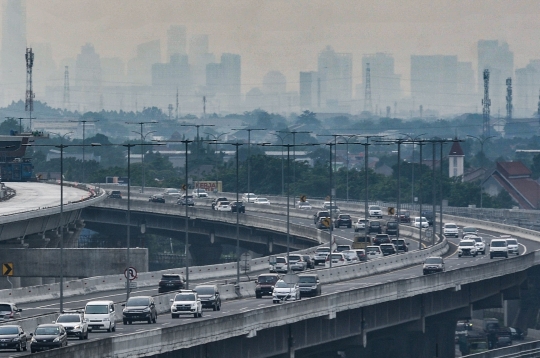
(130, 273)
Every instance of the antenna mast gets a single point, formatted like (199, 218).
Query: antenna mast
(66, 88)
(368, 106)
(509, 106)
(486, 103)
(29, 103)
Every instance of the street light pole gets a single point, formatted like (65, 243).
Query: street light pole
(282, 138)
(216, 139)
(142, 146)
(421, 144)
(294, 133)
(249, 153)
(198, 140)
(412, 140)
(84, 121)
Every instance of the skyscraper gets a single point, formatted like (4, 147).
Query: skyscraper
(139, 69)
(526, 89)
(13, 71)
(176, 41)
(499, 60)
(88, 78)
(335, 74)
(308, 90)
(223, 80)
(199, 57)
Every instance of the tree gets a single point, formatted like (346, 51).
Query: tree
(8, 125)
(308, 118)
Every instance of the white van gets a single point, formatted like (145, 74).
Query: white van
(100, 315)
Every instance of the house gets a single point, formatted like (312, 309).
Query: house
(515, 178)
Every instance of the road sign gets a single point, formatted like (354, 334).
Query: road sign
(184, 187)
(303, 198)
(130, 273)
(245, 262)
(7, 269)
(326, 222)
(391, 210)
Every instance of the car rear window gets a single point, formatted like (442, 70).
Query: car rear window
(205, 290)
(511, 241)
(170, 278)
(498, 243)
(5, 308)
(267, 279)
(307, 279)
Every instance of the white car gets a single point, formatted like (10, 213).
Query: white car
(416, 222)
(498, 247)
(284, 291)
(249, 197)
(304, 205)
(280, 265)
(186, 302)
(263, 201)
(74, 324)
(199, 193)
(360, 224)
(373, 252)
(480, 243)
(512, 243)
(375, 211)
(338, 259)
(450, 229)
(467, 248)
(351, 256)
(297, 263)
(171, 192)
(223, 206)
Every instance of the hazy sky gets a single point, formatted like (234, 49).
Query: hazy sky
(286, 35)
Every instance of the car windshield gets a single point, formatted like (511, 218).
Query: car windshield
(374, 223)
(137, 301)
(372, 249)
(170, 278)
(47, 331)
(477, 239)
(450, 226)
(8, 330)
(511, 241)
(96, 309)
(294, 258)
(336, 256)
(68, 318)
(282, 284)
(184, 297)
(307, 279)
(466, 243)
(374, 208)
(223, 203)
(498, 243)
(391, 225)
(205, 290)
(323, 250)
(345, 216)
(469, 229)
(266, 279)
(172, 191)
(433, 260)
(281, 260)
(5, 308)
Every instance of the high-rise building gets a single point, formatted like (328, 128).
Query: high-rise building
(308, 90)
(385, 83)
(176, 41)
(88, 78)
(139, 69)
(274, 82)
(113, 71)
(499, 60)
(433, 82)
(526, 85)
(335, 73)
(199, 57)
(223, 81)
(467, 97)
(13, 70)
(44, 72)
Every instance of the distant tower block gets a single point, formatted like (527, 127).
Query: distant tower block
(456, 159)
(204, 106)
(29, 103)
(170, 111)
(368, 105)
(486, 103)
(388, 109)
(66, 88)
(509, 99)
(177, 103)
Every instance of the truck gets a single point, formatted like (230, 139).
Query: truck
(361, 240)
(391, 228)
(473, 342)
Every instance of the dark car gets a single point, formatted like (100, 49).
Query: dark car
(265, 284)
(238, 204)
(171, 282)
(388, 249)
(217, 200)
(504, 337)
(309, 284)
(209, 295)
(392, 228)
(400, 245)
(183, 201)
(381, 239)
(375, 227)
(309, 260)
(343, 220)
(403, 217)
(433, 264)
(115, 194)
(13, 337)
(429, 217)
(516, 333)
(48, 336)
(139, 308)
(320, 214)
(157, 198)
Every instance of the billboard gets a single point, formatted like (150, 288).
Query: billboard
(208, 185)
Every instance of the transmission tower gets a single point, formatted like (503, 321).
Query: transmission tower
(486, 102)
(66, 88)
(509, 106)
(29, 103)
(368, 106)
(170, 111)
(204, 106)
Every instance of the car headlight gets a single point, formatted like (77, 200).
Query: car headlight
(16, 339)
(77, 327)
(147, 309)
(87, 320)
(57, 339)
(106, 319)
(272, 287)
(33, 340)
(313, 287)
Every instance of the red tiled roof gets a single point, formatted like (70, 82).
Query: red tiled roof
(512, 169)
(525, 191)
(456, 149)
